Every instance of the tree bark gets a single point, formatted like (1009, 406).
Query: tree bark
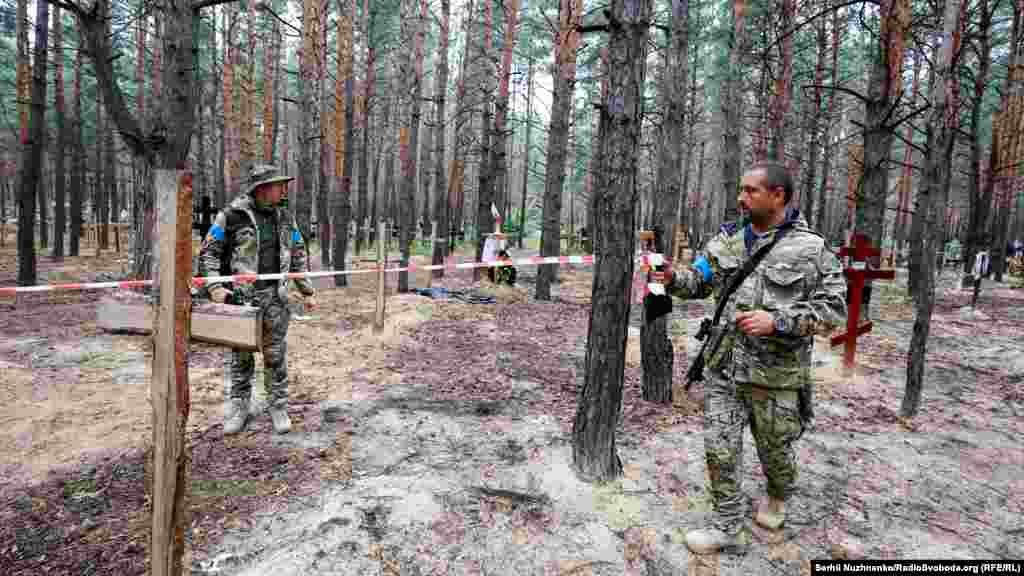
(463, 136)
(344, 98)
(32, 152)
(732, 110)
(310, 124)
(442, 201)
(906, 188)
(564, 72)
(483, 83)
(941, 137)
(499, 149)
(410, 74)
(526, 154)
(978, 207)
(364, 156)
(594, 453)
(77, 156)
(884, 86)
(59, 176)
(657, 353)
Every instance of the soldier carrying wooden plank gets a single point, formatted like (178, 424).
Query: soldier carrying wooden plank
(255, 235)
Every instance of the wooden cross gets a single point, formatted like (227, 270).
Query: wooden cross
(857, 273)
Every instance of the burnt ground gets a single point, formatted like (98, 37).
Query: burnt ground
(443, 446)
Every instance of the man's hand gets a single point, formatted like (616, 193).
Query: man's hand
(755, 323)
(220, 295)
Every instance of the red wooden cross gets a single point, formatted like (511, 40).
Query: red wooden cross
(856, 273)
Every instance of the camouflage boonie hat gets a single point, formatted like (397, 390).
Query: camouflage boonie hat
(261, 174)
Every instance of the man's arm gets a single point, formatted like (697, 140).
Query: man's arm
(212, 250)
(693, 282)
(826, 307)
(298, 261)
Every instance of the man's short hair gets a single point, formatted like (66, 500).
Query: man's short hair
(775, 176)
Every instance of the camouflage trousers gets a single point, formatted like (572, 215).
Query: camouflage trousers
(775, 424)
(242, 364)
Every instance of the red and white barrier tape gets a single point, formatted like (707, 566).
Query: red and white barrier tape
(644, 259)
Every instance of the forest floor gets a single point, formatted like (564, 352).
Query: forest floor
(443, 444)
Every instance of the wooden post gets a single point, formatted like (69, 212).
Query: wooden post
(169, 388)
(378, 323)
(433, 240)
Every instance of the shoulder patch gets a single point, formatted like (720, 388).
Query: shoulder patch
(729, 228)
(216, 232)
(296, 237)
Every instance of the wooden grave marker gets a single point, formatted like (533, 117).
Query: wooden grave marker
(857, 273)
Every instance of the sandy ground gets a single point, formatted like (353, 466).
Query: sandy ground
(443, 446)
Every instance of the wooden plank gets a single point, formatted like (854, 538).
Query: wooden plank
(169, 391)
(224, 324)
(840, 338)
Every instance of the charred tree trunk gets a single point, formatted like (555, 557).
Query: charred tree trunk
(600, 399)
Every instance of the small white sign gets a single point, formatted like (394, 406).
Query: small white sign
(859, 265)
(657, 288)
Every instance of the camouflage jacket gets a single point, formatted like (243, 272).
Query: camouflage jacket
(232, 247)
(800, 282)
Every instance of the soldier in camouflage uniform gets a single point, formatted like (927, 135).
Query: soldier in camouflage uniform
(256, 235)
(762, 368)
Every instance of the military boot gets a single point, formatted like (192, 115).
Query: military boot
(236, 416)
(282, 423)
(711, 540)
(771, 513)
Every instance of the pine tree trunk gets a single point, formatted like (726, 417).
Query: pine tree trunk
(600, 400)
(526, 153)
(978, 208)
(32, 151)
(657, 353)
(325, 153)
(732, 111)
(936, 176)
(483, 82)
(442, 201)
(463, 123)
(906, 187)
(77, 156)
(344, 97)
(271, 72)
(309, 95)
(59, 176)
(411, 74)
(564, 72)
(499, 149)
(884, 85)
(367, 219)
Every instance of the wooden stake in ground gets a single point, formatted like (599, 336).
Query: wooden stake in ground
(378, 323)
(169, 386)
